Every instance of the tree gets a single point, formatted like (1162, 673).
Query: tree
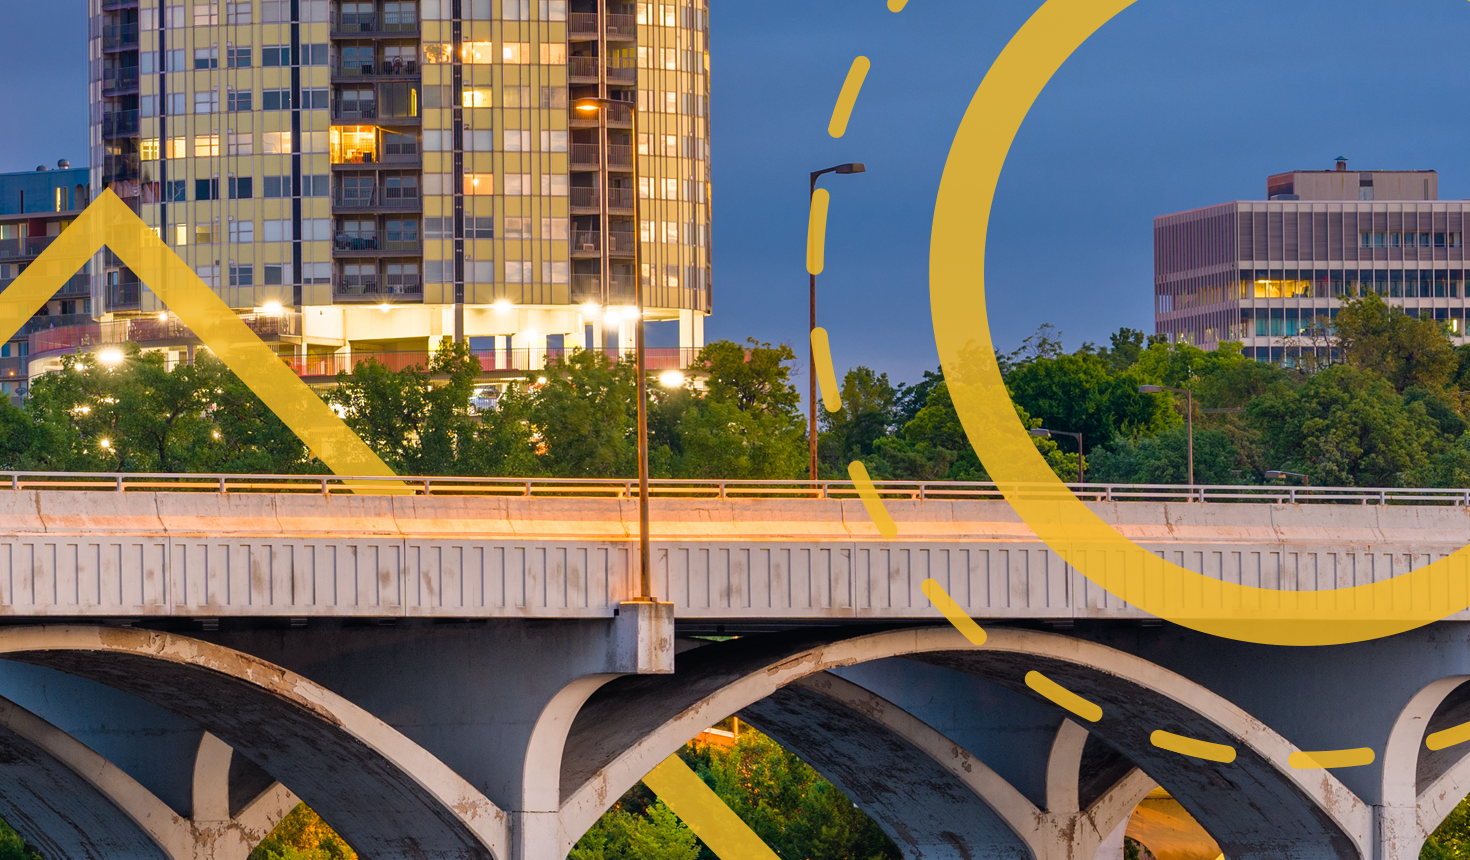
(1451, 840)
(869, 410)
(303, 835)
(13, 846)
(1080, 394)
(583, 417)
(1407, 351)
(1164, 459)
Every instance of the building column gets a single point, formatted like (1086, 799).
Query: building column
(691, 335)
(534, 342)
(627, 339)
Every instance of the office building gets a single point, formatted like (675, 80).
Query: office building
(1271, 273)
(35, 206)
(379, 175)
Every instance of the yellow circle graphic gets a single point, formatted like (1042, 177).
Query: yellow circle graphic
(1060, 519)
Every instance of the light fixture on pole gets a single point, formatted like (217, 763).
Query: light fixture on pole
(1043, 433)
(1276, 475)
(812, 351)
(1188, 416)
(645, 570)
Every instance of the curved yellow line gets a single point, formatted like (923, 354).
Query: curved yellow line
(897, 5)
(953, 612)
(826, 373)
(962, 212)
(816, 232)
(1063, 697)
(1330, 758)
(842, 111)
(1448, 737)
(874, 505)
(1191, 747)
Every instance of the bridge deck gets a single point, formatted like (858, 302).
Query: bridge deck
(148, 554)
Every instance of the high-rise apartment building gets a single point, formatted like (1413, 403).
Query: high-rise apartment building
(35, 206)
(1272, 273)
(385, 174)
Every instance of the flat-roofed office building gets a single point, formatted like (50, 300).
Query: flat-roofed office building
(1271, 273)
(380, 175)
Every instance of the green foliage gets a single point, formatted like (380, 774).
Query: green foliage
(302, 835)
(1451, 841)
(655, 833)
(1407, 351)
(13, 846)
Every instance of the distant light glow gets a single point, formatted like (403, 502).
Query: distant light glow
(271, 309)
(104, 443)
(502, 305)
(385, 307)
(671, 379)
(591, 309)
(163, 316)
(629, 313)
(110, 356)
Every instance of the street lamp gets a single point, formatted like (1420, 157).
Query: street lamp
(1188, 416)
(811, 350)
(645, 570)
(1043, 433)
(1274, 475)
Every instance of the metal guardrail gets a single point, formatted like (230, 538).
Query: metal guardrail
(694, 488)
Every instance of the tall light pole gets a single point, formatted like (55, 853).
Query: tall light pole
(645, 560)
(811, 397)
(1043, 433)
(1188, 416)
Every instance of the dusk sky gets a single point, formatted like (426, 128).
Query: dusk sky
(1171, 106)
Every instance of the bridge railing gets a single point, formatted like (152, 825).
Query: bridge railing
(676, 488)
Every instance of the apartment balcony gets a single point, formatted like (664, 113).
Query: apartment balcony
(120, 37)
(586, 243)
(120, 80)
(394, 69)
(585, 156)
(624, 199)
(83, 332)
(354, 110)
(120, 124)
(348, 25)
(370, 161)
(24, 249)
(376, 201)
(585, 198)
(374, 246)
(498, 362)
(582, 25)
(622, 75)
(361, 288)
(621, 243)
(619, 156)
(622, 27)
(120, 168)
(584, 68)
(114, 5)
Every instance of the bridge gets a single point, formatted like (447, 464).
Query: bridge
(453, 668)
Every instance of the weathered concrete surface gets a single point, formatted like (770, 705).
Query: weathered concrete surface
(255, 555)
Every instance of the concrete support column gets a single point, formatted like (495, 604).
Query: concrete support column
(691, 335)
(529, 350)
(627, 339)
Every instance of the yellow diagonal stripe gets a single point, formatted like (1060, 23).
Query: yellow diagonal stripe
(816, 232)
(1449, 737)
(109, 222)
(874, 505)
(1330, 758)
(1063, 697)
(826, 374)
(842, 111)
(897, 5)
(952, 611)
(1191, 747)
(716, 825)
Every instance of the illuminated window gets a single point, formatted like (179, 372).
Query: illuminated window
(478, 97)
(181, 234)
(438, 52)
(553, 54)
(353, 144)
(277, 142)
(61, 200)
(204, 234)
(516, 53)
(148, 149)
(479, 183)
(206, 14)
(478, 53)
(206, 145)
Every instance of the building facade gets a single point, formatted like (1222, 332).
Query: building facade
(380, 175)
(35, 207)
(1272, 273)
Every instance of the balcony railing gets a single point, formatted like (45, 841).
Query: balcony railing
(585, 198)
(120, 36)
(618, 114)
(374, 243)
(120, 79)
(491, 360)
(619, 156)
(120, 167)
(24, 249)
(354, 109)
(622, 25)
(585, 153)
(400, 22)
(370, 288)
(627, 74)
(582, 23)
(583, 67)
(586, 240)
(355, 22)
(621, 198)
(377, 200)
(385, 68)
(622, 242)
(85, 333)
(588, 288)
(120, 123)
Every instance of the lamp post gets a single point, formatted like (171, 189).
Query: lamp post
(1188, 416)
(811, 350)
(645, 570)
(1043, 433)
(1274, 475)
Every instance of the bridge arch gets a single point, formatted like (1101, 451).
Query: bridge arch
(402, 800)
(1421, 787)
(1258, 805)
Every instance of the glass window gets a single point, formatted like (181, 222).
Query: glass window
(479, 183)
(553, 10)
(515, 10)
(206, 189)
(275, 100)
(479, 227)
(516, 53)
(553, 53)
(242, 188)
(275, 55)
(206, 14)
(148, 149)
(241, 143)
(277, 142)
(206, 101)
(477, 97)
(238, 13)
(238, 100)
(478, 53)
(518, 184)
(206, 58)
(239, 58)
(206, 145)
(436, 53)
(554, 97)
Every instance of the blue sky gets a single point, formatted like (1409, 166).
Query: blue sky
(1175, 104)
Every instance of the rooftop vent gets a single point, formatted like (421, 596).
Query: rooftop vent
(1341, 164)
(63, 164)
